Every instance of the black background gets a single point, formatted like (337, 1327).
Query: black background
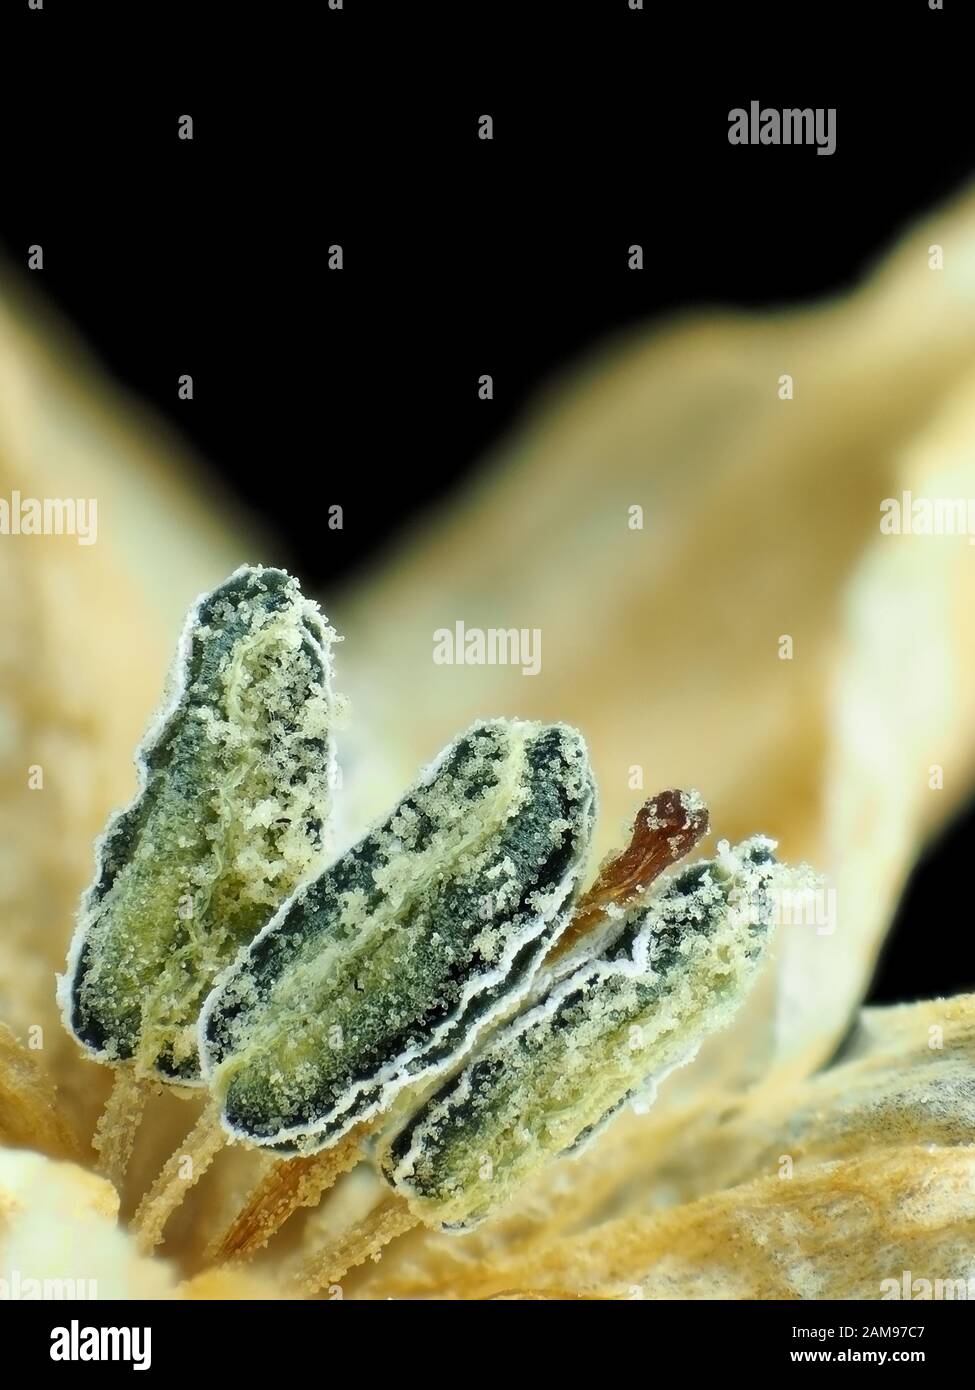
(461, 256)
(766, 1333)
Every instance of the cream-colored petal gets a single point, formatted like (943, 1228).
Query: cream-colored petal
(87, 635)
(907, 1081)
(761, 521)
(907, 1077)
(842, 1230)
(30, 1115)
(58, 1227)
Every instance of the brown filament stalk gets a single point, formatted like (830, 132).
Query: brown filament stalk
(288, 1185)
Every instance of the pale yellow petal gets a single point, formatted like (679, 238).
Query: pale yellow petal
(907, 1080)
(30, 1116)
(58, 1228)
(761, 521)
(87, 636)
(839, 1230)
